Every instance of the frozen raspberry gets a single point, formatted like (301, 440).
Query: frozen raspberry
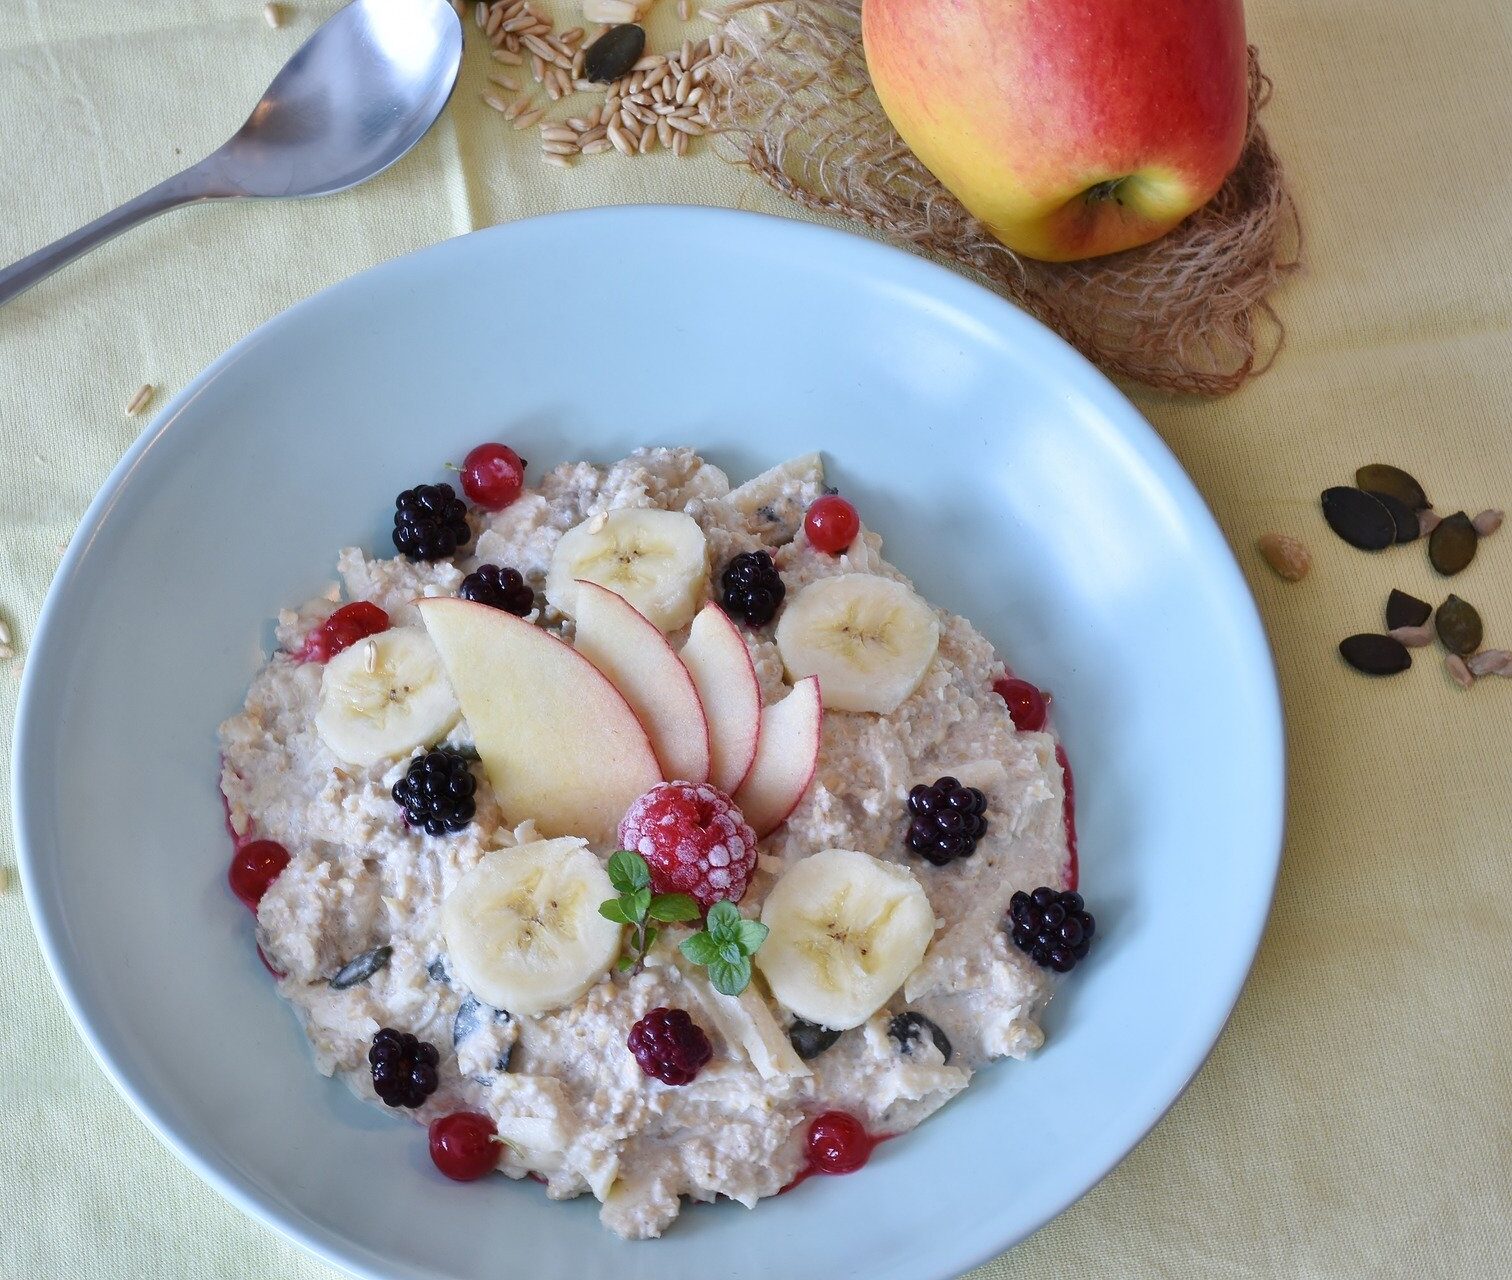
(670, 1046)
(694, 840)
(344, 628)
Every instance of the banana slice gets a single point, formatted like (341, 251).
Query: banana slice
(868, 639)
(523, 929)
(385, 696)
(846, 930)
(657, 560)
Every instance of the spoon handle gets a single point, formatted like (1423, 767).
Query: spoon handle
(182, 188)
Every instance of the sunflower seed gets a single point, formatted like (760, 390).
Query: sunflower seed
(1412, 637)
(362, 968)
(1488, 522)
(1375, 655)
(1403, 516)
(1359, 519)
(1491, 662)
(1451, 546)
(1286, 555)
(1459, 626)
(1403, 610)
(1380, 478)
(1461, 673)
(614, 53)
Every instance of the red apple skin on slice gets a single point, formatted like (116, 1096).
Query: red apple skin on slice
(786, 757)
(630, 649)
(720, 663)
(558, 740)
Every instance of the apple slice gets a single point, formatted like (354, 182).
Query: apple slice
(558, 740)
(630, 649)
(725, 677)
(786, 757)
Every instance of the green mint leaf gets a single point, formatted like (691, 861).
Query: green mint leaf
(637, 904)
(724, 922)
(649, 940)
(673, 906)
(731, 953)
(614, 910)
(700, 948)
(728, 978)
(625, 962)
(628, 872)
(752, 934)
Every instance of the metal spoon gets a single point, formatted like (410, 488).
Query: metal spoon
(359, 93)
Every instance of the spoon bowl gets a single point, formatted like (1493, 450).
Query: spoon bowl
(359, 93)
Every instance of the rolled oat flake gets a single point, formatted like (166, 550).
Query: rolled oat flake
(1375, 655)
(1458, 626)
(1361, 520)
(1452, 545)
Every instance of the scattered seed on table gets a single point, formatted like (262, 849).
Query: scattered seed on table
(1456, 667)
(5, 879)
(597, 146)
(507, 58)
(517, 107)
(1451, 546)
(684, 10)
(1380, 478)
(1488, 522)
(496, 102)
(1428, 521)
(1403, 610)
(1403, 516)
(1490, 662)
(614, 53)
(529, 118)
(1375, 655)
(1413, 637)
(505, 82)
(6, 653)
(1285, 554)
(1362, 521)
(5, 632)
(273, 15)
(1459, 626)
(679, 145)
(559, 161)
(140, 401)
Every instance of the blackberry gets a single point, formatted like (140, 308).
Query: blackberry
(498, 588)
(947, 820)
(404, 1068)
(1052, 927)
(436, 793)
(669, 1045)
(907, 1028)
(752, 588)
(430, 522)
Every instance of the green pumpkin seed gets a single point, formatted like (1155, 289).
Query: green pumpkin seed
(1403, 610)
(361, 968)
(1458, 626)
(1380, 478)
(614, 53)
(1361, 520)
(1452, 545)
(1375, 655)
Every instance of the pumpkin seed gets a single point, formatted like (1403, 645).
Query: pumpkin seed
(472, 1016)
(436, 971)
(1407, 529)
(1362, 521)
(614, 53)
(1380, 478)
(362, 968)
(1375, 655)
(1459, 626)
(1452, 545)
(1403, 610)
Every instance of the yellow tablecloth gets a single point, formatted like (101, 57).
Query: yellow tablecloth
(1356, 1118)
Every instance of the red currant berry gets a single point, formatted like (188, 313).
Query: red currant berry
(838, 1143)
(831, 524)
(493, 475)
(1027, 705)
(344, 628)
(464, 1145)
(254, 868)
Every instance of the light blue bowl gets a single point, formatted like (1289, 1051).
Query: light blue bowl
(1007, 476)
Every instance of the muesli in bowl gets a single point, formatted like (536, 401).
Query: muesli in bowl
(649, 836)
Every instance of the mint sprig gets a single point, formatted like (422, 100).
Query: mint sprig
(637, 906)
(724, 946)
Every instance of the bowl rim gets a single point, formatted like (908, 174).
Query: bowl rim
(946, 288)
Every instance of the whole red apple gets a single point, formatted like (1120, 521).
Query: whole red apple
(1072, 128)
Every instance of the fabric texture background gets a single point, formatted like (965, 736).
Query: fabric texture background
(1356, 1118)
